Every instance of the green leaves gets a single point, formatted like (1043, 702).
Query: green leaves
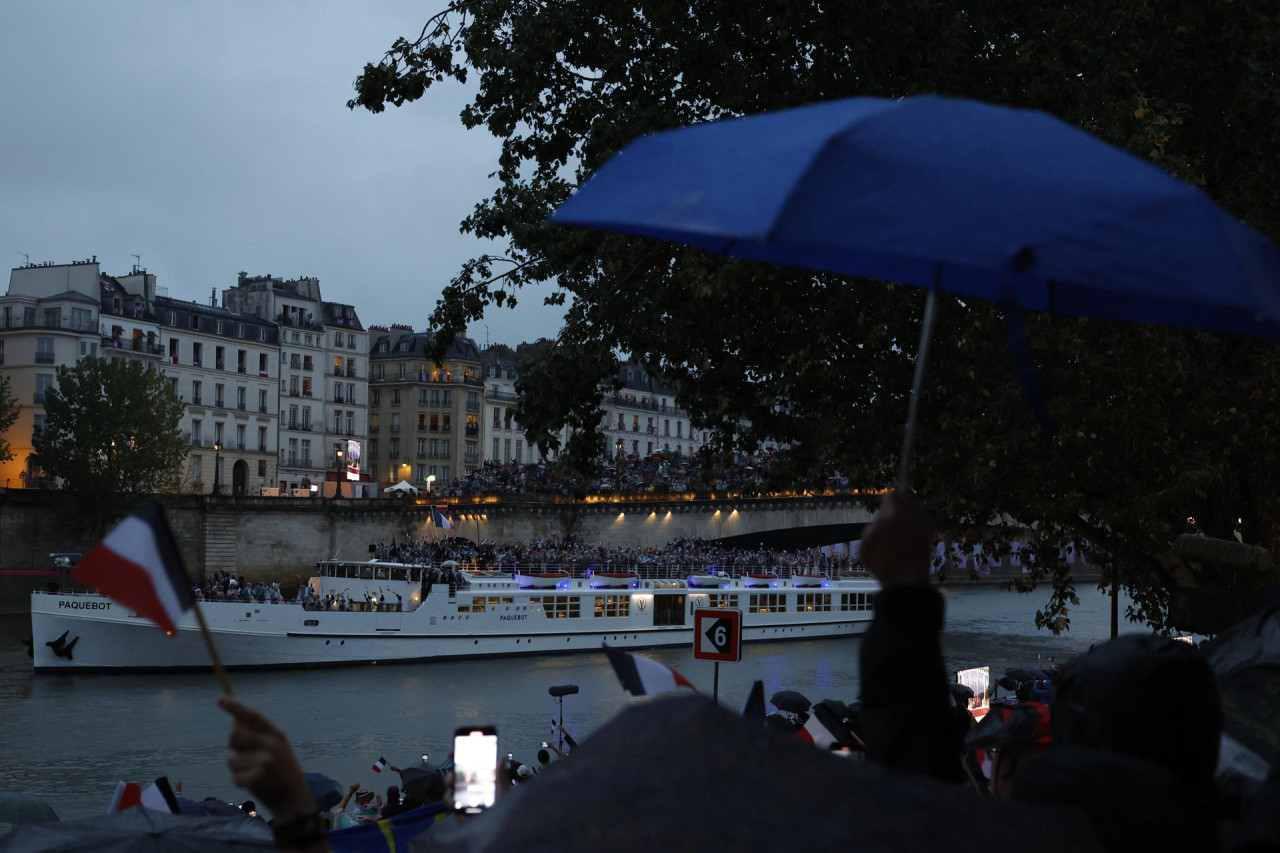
(111, 435)
(1154, 425)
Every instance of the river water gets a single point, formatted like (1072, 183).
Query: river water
(69, 739)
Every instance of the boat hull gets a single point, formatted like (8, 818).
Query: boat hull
(99, 635)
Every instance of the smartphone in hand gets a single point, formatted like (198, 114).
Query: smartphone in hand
(475, 768)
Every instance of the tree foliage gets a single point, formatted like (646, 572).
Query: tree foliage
(111, 436)
(8, 416)
(1158, 431)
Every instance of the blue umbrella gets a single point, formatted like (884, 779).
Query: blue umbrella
(982, 201)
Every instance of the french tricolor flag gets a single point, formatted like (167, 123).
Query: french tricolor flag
(822, 729)
(441, 520)
(644, 677)
(158, 797)
(138, 565)
(379, 765)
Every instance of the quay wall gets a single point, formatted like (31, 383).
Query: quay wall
(281, 539)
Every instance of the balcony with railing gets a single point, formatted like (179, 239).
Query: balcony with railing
(44, 357)
(473, 430)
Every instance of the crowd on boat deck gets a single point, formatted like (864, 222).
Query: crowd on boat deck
(226, 587)
(576, 556)
(630, 476)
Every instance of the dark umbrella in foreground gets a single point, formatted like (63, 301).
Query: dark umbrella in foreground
(1246, 662)
(325, 789)
(139, 830)
(1013, 206)
(18, 809)
(423, 783)
(684, 773)
(791, 702)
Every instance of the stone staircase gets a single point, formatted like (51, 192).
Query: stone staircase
(220, 542)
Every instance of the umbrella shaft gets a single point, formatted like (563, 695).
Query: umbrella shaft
(922, 356)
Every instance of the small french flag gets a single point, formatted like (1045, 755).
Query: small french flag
(379, 765)
(441, 520)
(821, 729)
(158, 797)
(644, 677)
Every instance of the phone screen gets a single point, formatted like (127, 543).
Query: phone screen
(475, 766)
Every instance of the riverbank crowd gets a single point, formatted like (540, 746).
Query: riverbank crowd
(631, 475)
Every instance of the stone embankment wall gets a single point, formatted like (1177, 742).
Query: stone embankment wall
(282, 539)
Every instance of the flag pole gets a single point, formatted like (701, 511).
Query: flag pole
(218, 668)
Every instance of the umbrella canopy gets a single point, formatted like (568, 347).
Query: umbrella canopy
(422, 783)
(325, 789)
(727, 783)
(983, 201)
(139, 830)
(1246, 662)
(791, 702)
(20, 809)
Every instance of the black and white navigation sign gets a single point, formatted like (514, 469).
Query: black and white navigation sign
(717, 634)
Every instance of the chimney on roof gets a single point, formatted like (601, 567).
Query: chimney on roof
(213, 297)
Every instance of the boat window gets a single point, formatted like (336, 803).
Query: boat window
(366, 573)
(813, 602)
(506, 599)
(767, 603)
(720, 599)
(477, 605)
(561, 606)
(855, 601)
(311, 623)
(612, 605)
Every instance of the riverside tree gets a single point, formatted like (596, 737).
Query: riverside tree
(1158, 431)
(111, 436)
(8, 415)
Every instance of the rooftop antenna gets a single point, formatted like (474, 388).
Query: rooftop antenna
(26, 259)
(137, 261)
(486, 336)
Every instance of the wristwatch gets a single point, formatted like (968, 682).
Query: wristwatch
(300, 831)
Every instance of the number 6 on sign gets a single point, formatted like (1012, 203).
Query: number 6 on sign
(717, 634)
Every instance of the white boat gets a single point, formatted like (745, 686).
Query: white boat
(807, 579)
(708, 581)
(394, 618)
(760, 579)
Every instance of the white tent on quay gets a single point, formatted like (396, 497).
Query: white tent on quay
(403, 487)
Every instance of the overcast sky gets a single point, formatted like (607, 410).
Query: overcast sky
(211, 138)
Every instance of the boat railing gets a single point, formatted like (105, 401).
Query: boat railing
(643, 570)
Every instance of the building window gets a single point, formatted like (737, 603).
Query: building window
(395, 448)
(262, 400)
(262, 364)
(395, 396)
(44, 381)
(218, 397)
(195, 468)
(44, 350)
(448, 397)
(195, 433)
(197, 354)
(240, 398)
(374, 397)
(262, 440)
(240, 437)
(422, 396)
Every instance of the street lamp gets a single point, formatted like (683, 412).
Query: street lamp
(431, 478)
(217, 450)
(617, 463)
